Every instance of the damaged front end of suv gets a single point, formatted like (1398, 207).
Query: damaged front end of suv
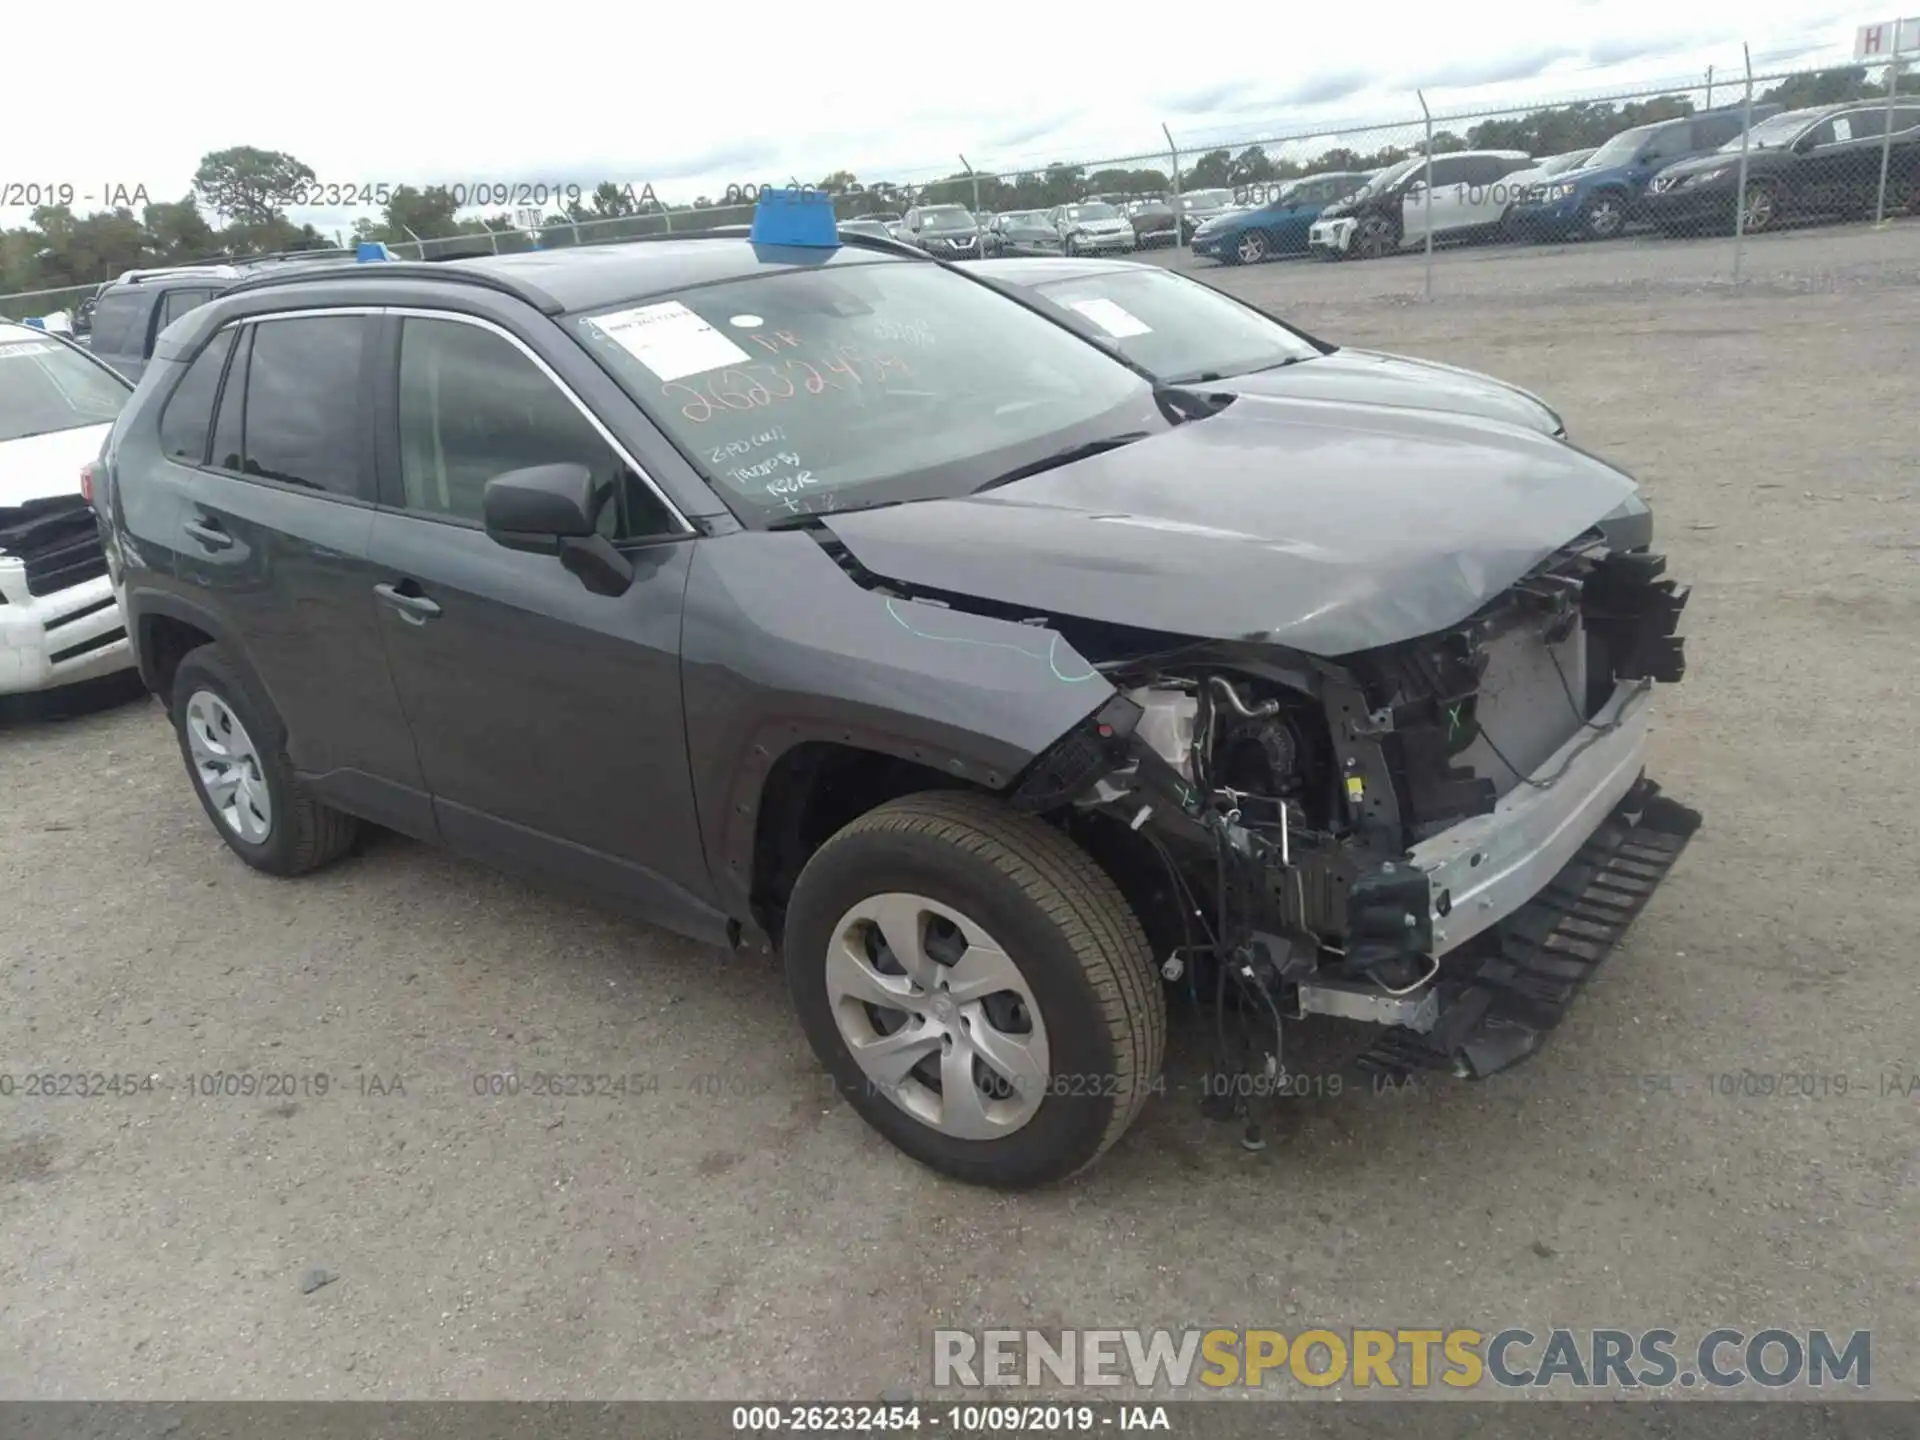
(1441, 836)
(1416, 797)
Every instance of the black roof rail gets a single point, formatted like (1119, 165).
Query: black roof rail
(402, 270)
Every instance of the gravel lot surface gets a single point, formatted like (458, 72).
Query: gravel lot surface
(731, 1230)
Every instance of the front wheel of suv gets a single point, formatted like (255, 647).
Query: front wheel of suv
(235, 749)
(977, 987)
(1375, 238)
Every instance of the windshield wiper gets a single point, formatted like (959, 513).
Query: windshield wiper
(1082, 451)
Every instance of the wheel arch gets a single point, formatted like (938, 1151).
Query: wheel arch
(165, 629)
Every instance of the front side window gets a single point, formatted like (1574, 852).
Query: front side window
(854, 384)
(302, 419)
(1176, 329)
(187, 422)
(45, 386)
(473, 406)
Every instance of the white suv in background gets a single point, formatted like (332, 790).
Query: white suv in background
(59, 620)
(1469, 198)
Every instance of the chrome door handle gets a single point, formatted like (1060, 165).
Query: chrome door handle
(414, 608)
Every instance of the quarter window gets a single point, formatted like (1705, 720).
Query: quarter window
(187, 422)
(473, 406)
(178, 302)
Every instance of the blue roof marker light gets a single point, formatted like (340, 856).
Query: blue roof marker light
(368, 250)
(795, 217)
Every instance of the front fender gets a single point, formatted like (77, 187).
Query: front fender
(782, 646)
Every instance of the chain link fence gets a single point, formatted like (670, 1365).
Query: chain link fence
(1726, 157)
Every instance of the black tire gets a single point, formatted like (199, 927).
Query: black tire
(303, 834)
(1076, 942)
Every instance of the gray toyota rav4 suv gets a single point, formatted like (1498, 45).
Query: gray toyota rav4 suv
(830, 600)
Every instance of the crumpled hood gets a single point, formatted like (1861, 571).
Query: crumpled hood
(41, 466)
(1372, 378)
(1326, 527)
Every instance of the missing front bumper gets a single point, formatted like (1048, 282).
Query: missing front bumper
(1499, 997)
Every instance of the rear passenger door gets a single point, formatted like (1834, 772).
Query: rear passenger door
(548, 718)
(1450, 199)
(272, 492)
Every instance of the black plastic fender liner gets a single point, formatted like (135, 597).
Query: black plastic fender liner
(1499, 1002)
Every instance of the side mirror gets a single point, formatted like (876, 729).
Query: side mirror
(550, 510)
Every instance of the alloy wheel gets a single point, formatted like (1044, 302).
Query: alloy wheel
(1373, 241)
(1252, 248)
(1757, 211)
(1604, 217)
(228, 765)
(938, 1016)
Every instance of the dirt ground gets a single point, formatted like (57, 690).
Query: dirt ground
(732, 1231)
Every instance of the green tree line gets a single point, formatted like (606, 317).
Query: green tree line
(240, 196)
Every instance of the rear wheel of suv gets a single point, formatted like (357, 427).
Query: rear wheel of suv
(977, 986)
(235, 748)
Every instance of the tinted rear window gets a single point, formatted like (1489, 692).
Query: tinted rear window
(303, 411)
(120, 320)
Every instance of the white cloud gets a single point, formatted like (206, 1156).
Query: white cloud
(576, 91)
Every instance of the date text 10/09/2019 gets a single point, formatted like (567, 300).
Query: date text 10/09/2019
(948, 1419)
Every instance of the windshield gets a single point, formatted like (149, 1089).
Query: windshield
(1560, 164)
(1207, 199)
(1095, 211)
(1621, 149)
(809, 391)
(1775, 134)
(947, 217)
(44, 386)
(1176, 329)
(1392, 175)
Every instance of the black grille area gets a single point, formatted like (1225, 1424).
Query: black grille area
(58, 540)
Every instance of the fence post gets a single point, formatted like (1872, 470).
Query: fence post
(1179, 216)
(1886, 140)
(492, 238)
(1740, 188)
(1428, 197)
(968, 166)
(1709, 104)
(419, 245)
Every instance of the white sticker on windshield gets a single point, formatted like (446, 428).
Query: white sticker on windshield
(1111, 318)
(669, 339)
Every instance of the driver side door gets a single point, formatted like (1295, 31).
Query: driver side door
(547, 718)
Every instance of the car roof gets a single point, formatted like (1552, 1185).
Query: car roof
(1041, 269)
(587, 277)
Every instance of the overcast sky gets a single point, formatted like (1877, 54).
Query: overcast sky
(692, 99)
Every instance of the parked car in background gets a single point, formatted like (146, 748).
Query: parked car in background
(58, 621)
(1392, 209)
(866, 225)
(1092, 227)
(924, 652)
(1025, 232)
(1280, 225)
(1184, 332)
(130, 313)
(1820, 161)
(1599, 199)
(888, 218)
(947, 231)
(1530, 184)
(1199, 206)
(1154, 223)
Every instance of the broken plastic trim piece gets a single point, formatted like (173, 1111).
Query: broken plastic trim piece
(1091, 749)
